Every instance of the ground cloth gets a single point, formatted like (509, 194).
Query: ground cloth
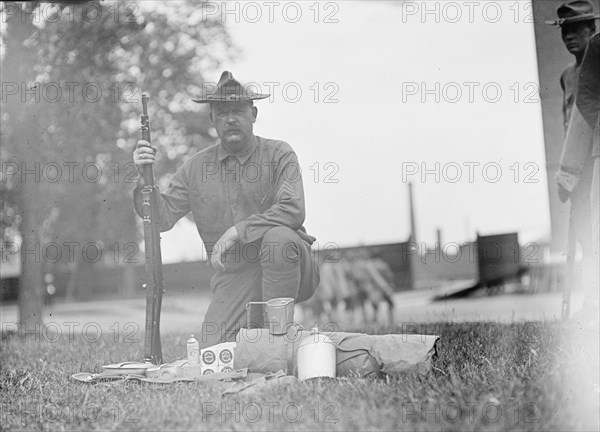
(261, 358)
(226, 382)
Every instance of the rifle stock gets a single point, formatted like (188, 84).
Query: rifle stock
(153, 261)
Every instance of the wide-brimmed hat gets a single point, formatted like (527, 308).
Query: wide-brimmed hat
(574, 11)
(230, 90)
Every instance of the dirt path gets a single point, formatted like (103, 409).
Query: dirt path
(183, 314)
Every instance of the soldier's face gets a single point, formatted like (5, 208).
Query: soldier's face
(576, 37)
(234, 122)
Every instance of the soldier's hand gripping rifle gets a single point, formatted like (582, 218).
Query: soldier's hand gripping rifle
(154, 276)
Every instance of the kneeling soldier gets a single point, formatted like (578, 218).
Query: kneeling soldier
(247, 200)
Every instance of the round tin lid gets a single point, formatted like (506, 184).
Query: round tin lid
(314, 338)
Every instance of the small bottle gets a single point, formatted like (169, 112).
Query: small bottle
(193, 350)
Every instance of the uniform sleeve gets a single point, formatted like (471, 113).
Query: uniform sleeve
(173, 204)
(288, 204)
(577, 145)
(564, 100)
(588, 90)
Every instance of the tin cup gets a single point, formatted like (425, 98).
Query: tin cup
(280, 314)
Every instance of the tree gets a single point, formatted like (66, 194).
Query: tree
(87, 64)
(21, 141)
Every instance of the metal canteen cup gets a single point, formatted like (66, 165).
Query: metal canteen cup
(280, 315)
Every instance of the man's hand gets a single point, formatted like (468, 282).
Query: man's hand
(144, 153)
(224, 243)
(566, 182)
(563, 194)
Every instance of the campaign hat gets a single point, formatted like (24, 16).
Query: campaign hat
(229, 89)
(573, 12)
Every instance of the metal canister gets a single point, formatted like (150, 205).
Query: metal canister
(280, 314)
(316, 356)
(193, 350)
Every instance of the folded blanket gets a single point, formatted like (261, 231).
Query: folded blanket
(357, 354)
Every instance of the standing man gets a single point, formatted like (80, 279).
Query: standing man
(247, 200)
(588, 104)
(576, 20)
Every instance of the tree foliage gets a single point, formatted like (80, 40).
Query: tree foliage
(85, 66)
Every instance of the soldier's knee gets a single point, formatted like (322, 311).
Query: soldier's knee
(281, 244)
(280, 234)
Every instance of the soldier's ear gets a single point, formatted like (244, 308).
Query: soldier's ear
(254, 113)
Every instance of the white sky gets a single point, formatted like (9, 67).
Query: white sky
(374, 52)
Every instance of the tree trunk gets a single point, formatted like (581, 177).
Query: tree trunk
(18, 70)
(31, 292)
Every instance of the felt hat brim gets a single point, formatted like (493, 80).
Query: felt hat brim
(232, 97)
(229, 89)
(562, 21)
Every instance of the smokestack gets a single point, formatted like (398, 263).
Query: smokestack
(439, 239)
(413, 229)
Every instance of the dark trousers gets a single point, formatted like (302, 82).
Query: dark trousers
(280, 265)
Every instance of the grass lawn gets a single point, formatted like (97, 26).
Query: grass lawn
(526, 376)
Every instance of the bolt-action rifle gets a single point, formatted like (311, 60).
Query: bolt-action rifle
(154, 275)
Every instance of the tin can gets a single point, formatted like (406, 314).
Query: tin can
(193, 350)
(316, 357)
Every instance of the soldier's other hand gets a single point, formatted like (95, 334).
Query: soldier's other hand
(563, 193)
(144, 153)
(226, 242)
(565, 182)
(216, 259)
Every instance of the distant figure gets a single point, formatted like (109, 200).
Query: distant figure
(576, 20)
(337, 298)
(373, 287)
(351, 288)
(352, 293)
(383, 277)
(323, 304)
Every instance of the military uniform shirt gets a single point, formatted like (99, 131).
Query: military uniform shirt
(568, 82)
(588, 97)
(255, 190)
